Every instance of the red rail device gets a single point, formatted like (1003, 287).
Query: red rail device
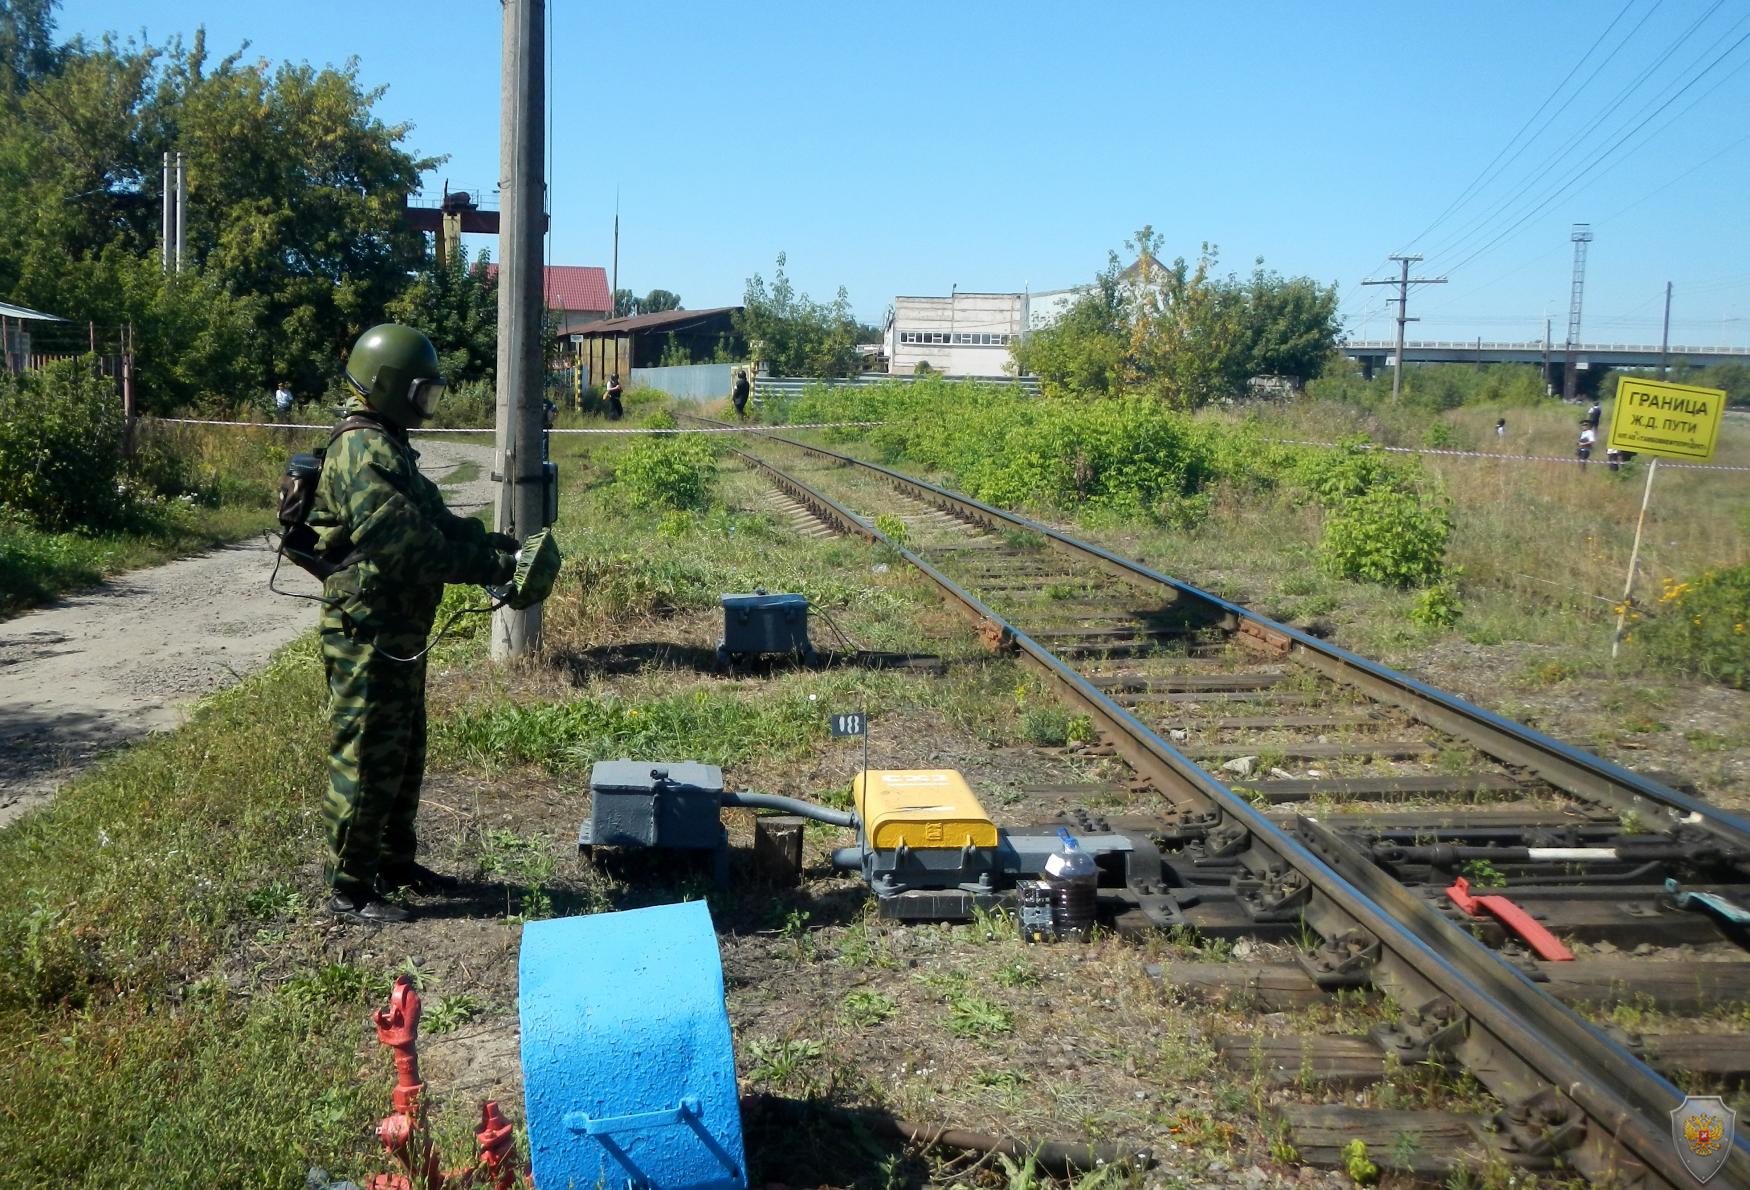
(1513, 917)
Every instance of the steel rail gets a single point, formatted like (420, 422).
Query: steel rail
(1571, 1091)
(1562, 765)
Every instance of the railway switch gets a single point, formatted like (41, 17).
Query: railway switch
(925, 846)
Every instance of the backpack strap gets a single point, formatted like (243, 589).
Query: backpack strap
(357, 421)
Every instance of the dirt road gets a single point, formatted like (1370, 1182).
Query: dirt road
(105, 666)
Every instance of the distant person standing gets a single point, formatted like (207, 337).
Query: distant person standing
(1500, 427)
(282, 401)
(1594, 414)
(738, 393)
(1587, 437)
(616, 410)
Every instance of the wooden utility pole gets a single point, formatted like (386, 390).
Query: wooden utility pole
(1403, 281)
(522, 202)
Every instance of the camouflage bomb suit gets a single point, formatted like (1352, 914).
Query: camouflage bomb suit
(372, 503)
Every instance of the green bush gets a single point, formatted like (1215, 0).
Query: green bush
(1437, 606)
(672, 471)
(468, 405)
(61, 446)
(1354, 467)
(1702, 626)
(1388, 536)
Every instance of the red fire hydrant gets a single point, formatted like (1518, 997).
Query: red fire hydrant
(403, 1131)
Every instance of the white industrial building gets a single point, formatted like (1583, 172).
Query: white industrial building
(969, 334)
(963, 334)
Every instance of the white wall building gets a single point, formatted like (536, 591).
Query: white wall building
(968, 334)
(964, 334)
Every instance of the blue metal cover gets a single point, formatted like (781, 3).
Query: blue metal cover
(628, 1064)
(763, 602)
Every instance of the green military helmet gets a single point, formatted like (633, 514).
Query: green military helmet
(395, 368)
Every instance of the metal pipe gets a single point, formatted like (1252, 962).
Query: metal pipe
(847, 859)
(164, 221)
(181, 212)
(790, 805)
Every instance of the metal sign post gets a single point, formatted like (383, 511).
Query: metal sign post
(854, 723)
(1677, 421)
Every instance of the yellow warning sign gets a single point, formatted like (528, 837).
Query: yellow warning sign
(1678, 421)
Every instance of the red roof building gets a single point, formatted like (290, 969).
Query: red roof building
(573, 289)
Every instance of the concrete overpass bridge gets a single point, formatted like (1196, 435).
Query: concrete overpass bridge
(1377, 353)
(1591, 359)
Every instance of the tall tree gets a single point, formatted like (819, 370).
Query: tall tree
(27, 42)
(795, 334)
(294, 209)
(457, 308)
(658, 300)
(1083, 351)
(1181, 332)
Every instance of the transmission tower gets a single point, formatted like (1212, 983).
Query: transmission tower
(1581, 235)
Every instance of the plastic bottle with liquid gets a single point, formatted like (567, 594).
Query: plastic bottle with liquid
(1072, 877)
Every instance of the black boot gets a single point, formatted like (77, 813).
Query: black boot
(363, 907)
(418, 879)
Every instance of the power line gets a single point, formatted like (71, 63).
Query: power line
(1581, 61)
(1562, 189)
(1485, 175)
(1620, 211)
(1481, 225)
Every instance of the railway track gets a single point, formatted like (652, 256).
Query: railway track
(1305, 794)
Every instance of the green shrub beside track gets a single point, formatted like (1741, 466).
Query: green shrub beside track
(76, 506)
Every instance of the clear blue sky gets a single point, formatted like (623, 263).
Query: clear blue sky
(903, 148)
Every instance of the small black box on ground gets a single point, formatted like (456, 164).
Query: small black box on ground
(638, 803)
(764, 623)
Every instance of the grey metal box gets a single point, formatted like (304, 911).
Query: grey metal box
(640, 803)
(762, 623)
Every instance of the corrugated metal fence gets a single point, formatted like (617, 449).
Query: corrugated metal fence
(690, 382)
(777, 388)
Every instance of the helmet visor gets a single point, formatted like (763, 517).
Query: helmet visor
(424, 395)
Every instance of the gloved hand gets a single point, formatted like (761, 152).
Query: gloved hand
(504, 543)
(504, 571)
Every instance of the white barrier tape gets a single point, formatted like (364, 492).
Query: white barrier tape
(1598, 457)
(282, 425)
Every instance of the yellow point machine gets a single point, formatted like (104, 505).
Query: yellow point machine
(929, 850)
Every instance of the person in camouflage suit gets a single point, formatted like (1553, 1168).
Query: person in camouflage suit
(397, 545)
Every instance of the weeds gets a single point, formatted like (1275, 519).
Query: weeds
(796, 934)
(672, 471)
(864, 1009)
(973, 1016)
(451, 1013)
(780, 1063)
(331, 985)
